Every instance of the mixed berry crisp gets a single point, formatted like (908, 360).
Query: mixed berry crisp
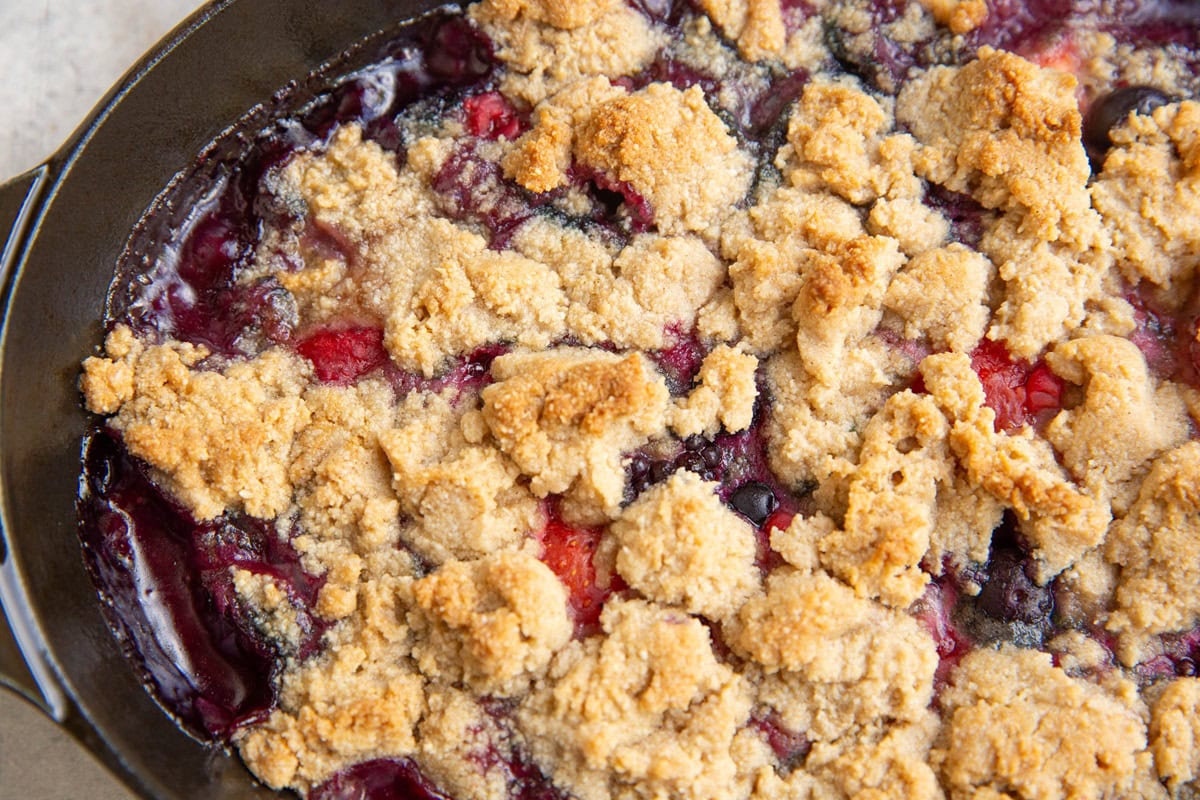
(691, 399)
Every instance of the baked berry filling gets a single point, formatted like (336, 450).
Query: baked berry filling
(589, 448)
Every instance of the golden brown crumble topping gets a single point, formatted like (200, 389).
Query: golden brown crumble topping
(1013, 728)
(838, 311)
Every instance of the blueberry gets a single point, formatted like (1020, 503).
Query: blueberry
(755, 501)
(1010, 595)
(1111, 110)
(712, 456)
(1185, 668)
(660, 471)
(639, 465)
(694, 443)
(693, 462)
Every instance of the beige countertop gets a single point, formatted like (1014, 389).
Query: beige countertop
(59, 58)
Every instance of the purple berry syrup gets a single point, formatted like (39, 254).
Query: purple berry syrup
(168, 592)
(166, 579)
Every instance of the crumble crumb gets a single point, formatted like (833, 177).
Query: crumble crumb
(942, 294)
(274, 612)
(465, 498)
(848, 672)
(565, 416)
(756, 25)
(1009, 136)
(673, 150)
(1014, 726)
(1149, 194)
(542, 59)
(960, 16)
(1060, 521)
(836, 135)
(645, 711)
(222, 440)
(345, 706)
(815, 429)
(493, 623)
(564, 14)
(1156, 548)
(724, 396)
(1125, 419)
(463, 748)
(678, 544)
(766, 242)
(915, 227)
(890, 505)
(840, 300)
(1175, 733)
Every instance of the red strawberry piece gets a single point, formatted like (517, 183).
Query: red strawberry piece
(767, 558)
(934, 610)
(1017, 391)
(343, 355)
(570, 552)
(491, 116)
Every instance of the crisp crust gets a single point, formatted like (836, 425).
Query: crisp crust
(464, 496)
(565, 417)
(1010, 137)
(942, 294)
(836, 134)
(541, 59)
(890, 510)
(1148, 194)
(724, 397)
(1061, 521)
(566, 14)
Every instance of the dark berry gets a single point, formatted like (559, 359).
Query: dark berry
(1112, 110)
(755, 501)
(459, 53)
(639, 467)
(712, 456)
(1010, 595)
(693, 462)
(681, 360)
(378, 780)
(694, 443)
(789, 746)
(660, 471)
(1185, 668)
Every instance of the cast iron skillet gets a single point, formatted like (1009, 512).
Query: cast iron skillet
(63, 227)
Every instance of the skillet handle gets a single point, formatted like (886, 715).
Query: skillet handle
(17, 675)
(23, 667)
(20, 199)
